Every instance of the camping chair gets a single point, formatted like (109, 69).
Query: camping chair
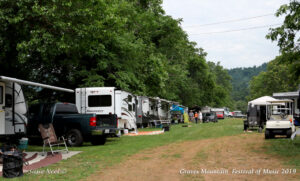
(50, 139)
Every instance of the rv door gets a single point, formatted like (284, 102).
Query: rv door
(2, 111)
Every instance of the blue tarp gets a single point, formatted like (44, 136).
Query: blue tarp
(177, 108)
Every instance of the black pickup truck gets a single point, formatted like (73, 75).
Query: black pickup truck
(66, 121)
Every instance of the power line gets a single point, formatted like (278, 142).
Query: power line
(231, 21)
(243, 29)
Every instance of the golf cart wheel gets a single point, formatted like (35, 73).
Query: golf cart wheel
(267, 134)
(289, 133)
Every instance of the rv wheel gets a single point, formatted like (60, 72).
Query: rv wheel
(74, 138)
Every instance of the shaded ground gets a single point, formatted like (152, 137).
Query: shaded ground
(234, 158)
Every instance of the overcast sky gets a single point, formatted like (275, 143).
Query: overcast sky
(232, 49)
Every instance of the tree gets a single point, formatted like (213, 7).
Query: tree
(277, 78)
(287, 34)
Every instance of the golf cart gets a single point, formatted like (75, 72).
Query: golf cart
(280, 119)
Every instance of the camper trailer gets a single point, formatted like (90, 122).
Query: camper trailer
(107, 102)
(13, 107)
(159, 111)
(143, 111)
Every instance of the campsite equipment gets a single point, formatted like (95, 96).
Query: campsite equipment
(256, 113)
(23, 143)
(12, 164)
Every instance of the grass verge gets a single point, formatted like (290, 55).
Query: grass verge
(95, 158)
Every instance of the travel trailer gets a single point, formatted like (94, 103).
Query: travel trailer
(143, 111)
(13, 106)
(107, 102)
(159, 112)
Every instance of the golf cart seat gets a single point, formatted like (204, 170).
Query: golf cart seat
(50, 139)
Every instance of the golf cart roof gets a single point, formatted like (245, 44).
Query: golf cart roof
(280, 101)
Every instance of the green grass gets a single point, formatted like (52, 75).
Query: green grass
(286, 148)
(149, 129)
(96, 158)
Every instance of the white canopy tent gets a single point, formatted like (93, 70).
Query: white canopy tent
(265, 100)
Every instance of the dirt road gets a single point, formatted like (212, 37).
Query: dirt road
(228, 158)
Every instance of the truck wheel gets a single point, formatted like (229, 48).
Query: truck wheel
(289, 133)
(267, 134)
(74, 138)
(98, 140)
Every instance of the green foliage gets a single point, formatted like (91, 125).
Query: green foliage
(240, 82)
(277, 78)
(128, 44)
(287, 34)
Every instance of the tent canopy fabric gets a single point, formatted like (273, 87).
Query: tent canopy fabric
(262, 100)
(177, 108)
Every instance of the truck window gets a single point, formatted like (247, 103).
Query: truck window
(1, 94)
(66, 109)
(99, 101)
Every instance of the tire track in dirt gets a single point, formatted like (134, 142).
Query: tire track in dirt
(242, 152)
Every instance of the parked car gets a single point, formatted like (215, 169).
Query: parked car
(67, 122)
(210, 117)
(238, 114)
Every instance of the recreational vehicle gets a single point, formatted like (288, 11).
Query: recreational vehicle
(13, 107)
(107, 102)
(159, 111)
(143, 111)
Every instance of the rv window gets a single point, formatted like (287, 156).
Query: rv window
(8, 100)
(129, 107)
(129, 98)
(1, 94)
(99, 101)
(133, 107)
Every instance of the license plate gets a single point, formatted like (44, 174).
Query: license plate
(106, 131)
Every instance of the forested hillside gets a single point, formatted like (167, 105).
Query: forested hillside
(128, 44)
(240, 83)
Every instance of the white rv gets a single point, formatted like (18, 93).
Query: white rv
(143, 111)
(159, 111)
(108, 101)
(13, 107)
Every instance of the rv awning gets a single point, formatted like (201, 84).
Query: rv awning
(25, 82)
(262, 100)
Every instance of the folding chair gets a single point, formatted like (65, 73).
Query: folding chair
(50, 139)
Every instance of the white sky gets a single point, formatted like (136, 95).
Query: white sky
(233, 49)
